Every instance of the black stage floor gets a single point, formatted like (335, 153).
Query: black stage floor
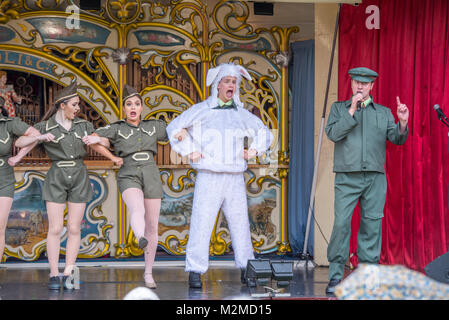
(113, 281)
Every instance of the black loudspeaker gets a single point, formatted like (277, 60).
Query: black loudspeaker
(90, 4)
(263, 8)
(260, 270)
(282, 272)
(438, 269)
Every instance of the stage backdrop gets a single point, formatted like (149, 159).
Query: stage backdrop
(411, 55)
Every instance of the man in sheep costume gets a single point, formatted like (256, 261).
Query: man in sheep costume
(212, 134)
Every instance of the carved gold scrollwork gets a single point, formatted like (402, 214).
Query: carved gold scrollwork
(8, 11)
(175, 245)
(31, 5)
(86, 60)
(103, 239)
(197, 10)
(183, 182)
(262, 98)
(123, 11)
(259, 182)
(258, 244)
(218, 245)
(233, 23)
(210, 35)
(283, 247)
(132, 247)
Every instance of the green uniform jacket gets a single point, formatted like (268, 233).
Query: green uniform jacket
(67, 145)
(128, 139)
(360, 140)
(9, 129)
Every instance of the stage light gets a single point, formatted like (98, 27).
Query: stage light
(282, 272)
(263, 8)
(260, 270)
(90, 5)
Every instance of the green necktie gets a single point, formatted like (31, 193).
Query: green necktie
(230, 106)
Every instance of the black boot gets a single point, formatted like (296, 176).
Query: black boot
(195, 280)
(243, 276)
(249, 281)
(330, 289)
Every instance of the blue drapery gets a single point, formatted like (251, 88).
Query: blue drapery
(300, 174)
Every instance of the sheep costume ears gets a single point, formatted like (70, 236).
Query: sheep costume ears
(224, 70)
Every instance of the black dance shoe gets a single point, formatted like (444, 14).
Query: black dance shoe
(54, 283)
(195, 280)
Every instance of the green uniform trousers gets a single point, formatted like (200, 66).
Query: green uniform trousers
(371, 189)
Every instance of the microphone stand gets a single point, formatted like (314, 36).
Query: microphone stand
(305, 255)
(443, 120)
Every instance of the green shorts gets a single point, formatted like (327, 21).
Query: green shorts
(67, 183)
(7, 179)
(143, 175)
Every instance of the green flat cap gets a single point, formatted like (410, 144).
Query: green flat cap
(66, 93)
(129, 92)
(363, 74)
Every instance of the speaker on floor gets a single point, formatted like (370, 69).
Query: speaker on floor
(282, 272)
(260, 270)
(438, 269)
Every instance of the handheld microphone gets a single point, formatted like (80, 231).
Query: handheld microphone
(359, 103)
(439, 112)
(245, 143)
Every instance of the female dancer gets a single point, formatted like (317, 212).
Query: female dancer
(9, 128)
(135, 144)
(67, 180)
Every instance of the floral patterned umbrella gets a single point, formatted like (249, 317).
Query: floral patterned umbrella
(379, 282)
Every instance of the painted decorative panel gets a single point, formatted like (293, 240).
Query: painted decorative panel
(164, 49)
(27, 227)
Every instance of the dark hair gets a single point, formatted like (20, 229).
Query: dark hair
(4, 112)
(53, 110)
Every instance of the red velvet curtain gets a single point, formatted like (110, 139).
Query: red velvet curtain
(410, 51)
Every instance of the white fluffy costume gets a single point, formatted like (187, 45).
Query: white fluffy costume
(219, 135)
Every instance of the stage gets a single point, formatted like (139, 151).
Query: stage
(113, 280)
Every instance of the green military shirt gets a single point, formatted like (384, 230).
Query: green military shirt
(10, 128)
(67, 145)
(128, 139)
(360, 140)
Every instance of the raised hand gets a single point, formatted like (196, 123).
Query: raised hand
(14, 160)
(402, 111)
(46, 137)
(248, 154)
(118, 161)
(195, 156)
(181, 135)
(88, 140)
(403, 114)
(358, 97)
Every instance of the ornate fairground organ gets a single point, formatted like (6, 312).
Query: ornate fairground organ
(164, 49)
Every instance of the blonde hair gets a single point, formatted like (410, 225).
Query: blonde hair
(2, 73)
